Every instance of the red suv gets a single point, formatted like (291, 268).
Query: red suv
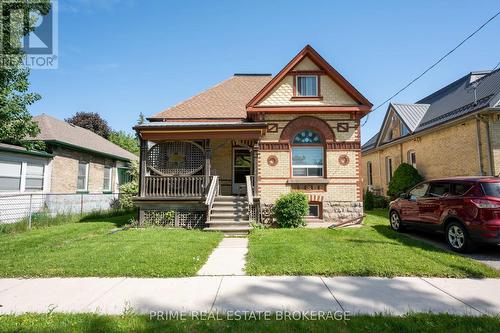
(466, 209)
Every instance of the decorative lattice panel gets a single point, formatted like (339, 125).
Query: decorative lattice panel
(176, 158)
(174, 219)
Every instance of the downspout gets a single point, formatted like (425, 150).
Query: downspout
(479, 145)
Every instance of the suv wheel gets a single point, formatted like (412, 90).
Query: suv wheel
(457, 237)
(395, 221)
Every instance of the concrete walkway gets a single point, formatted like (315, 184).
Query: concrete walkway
(259, 293)
(228, 258)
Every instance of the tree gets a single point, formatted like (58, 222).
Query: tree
(91, 121)
(126, 141)
(16, 123)
(405, 177)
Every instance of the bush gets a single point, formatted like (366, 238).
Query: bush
(368, 201)
(404, 178)
(380, 201)
(290, 210)
(130, 189)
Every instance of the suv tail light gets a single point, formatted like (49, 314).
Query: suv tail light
(482, 203)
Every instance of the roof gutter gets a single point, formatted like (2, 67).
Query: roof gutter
(75, 147)
(27, 152)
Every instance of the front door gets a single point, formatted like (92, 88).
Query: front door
(242, 167)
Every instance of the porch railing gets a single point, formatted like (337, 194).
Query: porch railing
(176, 186)
(253, 205)
(213, 191)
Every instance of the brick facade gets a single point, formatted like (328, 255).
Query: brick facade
(65, 171)
(444, 152)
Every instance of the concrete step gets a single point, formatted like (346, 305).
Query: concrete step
(227, 224)
(231, 231)
(228, 216)
(229, 209)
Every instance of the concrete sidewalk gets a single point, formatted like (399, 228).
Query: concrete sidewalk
(260, 293)
(228, 258)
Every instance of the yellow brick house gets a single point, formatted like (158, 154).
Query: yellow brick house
(221, 158)
(453, 132)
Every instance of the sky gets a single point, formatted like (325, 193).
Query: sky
(123, 57)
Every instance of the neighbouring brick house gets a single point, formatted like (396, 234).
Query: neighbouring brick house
(224, 156)
(452, 132)
(75, 160)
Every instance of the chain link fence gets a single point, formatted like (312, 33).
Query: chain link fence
(19, 207)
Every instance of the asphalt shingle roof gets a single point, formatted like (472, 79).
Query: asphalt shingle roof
(53, 129)
(226, 100)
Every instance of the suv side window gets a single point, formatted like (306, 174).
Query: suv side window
(459, 189)
(438, 190)
(419, 191)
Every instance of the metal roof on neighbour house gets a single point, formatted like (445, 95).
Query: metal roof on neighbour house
(226, 100)
(472, 92)
(60, 132)
(457, 99)
(411, 114)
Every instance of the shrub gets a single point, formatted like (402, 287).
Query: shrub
(130, 189)
(380, 201)
(404, 178)
(368, 201)
(290, 210)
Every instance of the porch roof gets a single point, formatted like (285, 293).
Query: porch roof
(201, 130)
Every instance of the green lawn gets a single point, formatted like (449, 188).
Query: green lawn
(371, 250)
(90, 249)
(83, 323)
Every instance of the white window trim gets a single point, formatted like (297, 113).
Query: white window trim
(110, 183)
(86, 177)
(297, 86)
(309, 166)
(409, 159)
(24, 160)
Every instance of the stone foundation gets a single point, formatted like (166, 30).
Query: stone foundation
(339, 212)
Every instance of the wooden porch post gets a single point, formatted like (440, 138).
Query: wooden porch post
(255, 153)
(142, 167)
(208, 162)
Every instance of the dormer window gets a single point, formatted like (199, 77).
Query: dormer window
(307, 85)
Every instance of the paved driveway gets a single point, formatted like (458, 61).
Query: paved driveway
(485, 253)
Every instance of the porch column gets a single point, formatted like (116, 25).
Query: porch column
(208, 162)
(255, 153)
(142, 167)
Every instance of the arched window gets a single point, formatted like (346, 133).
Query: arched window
(307, 154)
(412, 158)
(369, 172)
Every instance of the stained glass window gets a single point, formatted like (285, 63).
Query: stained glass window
(307, 137)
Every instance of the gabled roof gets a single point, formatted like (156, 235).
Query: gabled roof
(53, 130)
(225, 100)
(410, 114)
(309, 52)
(472, 92)
(457, 99)
(370, 143)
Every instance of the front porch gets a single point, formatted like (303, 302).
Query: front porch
(199, 177)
